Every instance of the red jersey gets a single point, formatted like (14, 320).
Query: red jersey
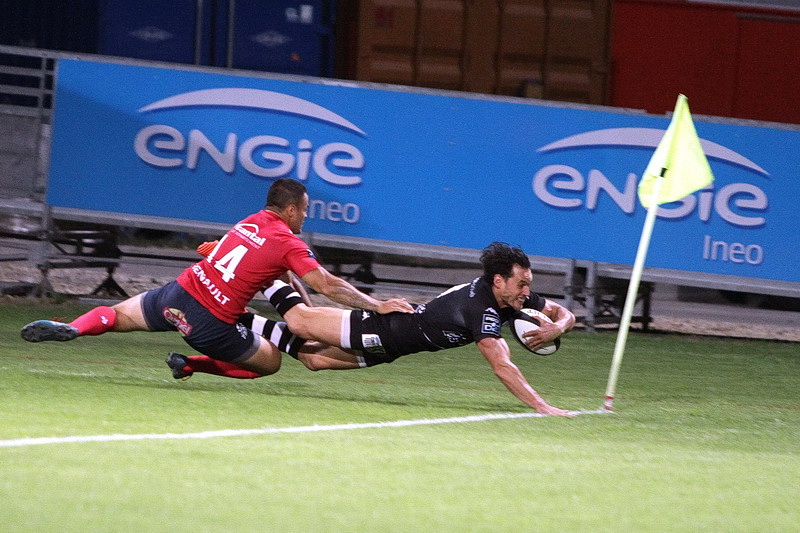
(253, 254)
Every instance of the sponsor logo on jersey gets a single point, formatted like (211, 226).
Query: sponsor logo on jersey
(206, 282)
(250, 232)
(455, 338)
(491, 322)
(473, 286)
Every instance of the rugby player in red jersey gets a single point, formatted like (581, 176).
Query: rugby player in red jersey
(205, 302)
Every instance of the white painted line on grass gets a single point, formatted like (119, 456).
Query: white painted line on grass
(35, 441)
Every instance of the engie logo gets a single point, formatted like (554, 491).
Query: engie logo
(564, 187)
(266, 156)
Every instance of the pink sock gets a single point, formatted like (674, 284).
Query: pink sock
(96, 322)
(207, 365)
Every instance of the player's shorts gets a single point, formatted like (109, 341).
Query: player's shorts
(383, 338)
(171, 308)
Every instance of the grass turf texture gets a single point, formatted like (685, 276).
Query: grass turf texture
(706, 437)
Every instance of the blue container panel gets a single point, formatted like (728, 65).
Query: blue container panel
(152, 29)
(283, 36)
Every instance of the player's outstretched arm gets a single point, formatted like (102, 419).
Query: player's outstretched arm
(496, 351)
(340, 291)
(335, 288)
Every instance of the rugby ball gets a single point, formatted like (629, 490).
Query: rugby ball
(527, 320)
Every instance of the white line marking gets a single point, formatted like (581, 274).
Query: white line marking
(35, 441)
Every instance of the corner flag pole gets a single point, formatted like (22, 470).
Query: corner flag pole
(630, 299)
(677, 168)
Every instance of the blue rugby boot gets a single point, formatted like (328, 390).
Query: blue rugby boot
(48, 330)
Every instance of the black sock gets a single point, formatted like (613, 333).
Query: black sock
(282, 296)
(278, 334)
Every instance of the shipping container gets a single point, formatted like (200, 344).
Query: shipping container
(576, 55)
(285, 36)
(556, 49)
(292, 37)
(176, 31)
(730, 60)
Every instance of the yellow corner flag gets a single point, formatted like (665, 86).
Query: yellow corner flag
(678, 168)
(678, 160)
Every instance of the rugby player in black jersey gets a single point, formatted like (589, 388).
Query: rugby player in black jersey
(472, 312)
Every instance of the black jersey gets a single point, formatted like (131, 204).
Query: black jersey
(460, 315)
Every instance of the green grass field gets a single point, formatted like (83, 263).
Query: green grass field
(705, 437)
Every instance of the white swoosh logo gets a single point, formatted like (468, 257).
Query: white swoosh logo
(252, 99)
(645, 138)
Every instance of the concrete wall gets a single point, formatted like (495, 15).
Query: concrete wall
(24, 143)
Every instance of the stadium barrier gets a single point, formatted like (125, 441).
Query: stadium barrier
(593, 280)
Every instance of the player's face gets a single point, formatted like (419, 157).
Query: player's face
(298, 215)
(513, 291)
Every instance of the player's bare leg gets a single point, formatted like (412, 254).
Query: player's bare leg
(129, 315)
(318, 356)
(122, 317)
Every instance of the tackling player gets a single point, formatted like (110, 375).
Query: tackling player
(206, 300)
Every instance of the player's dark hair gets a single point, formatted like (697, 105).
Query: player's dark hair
(500, 258)
(285, 192)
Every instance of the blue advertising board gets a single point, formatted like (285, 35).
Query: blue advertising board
(417, 167)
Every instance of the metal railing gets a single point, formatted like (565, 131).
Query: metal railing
(27, 80)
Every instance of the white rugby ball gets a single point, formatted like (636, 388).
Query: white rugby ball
(527, 320)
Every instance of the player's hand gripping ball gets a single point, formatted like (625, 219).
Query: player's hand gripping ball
(529, 320)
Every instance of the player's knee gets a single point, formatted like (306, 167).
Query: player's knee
(267, 372)
(266, 369)
(311, 361)
(266, 361)
(128, 315)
